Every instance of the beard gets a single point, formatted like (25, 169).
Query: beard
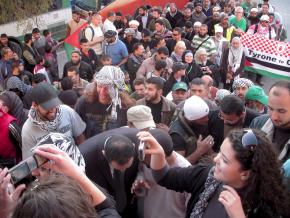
(76, 63)
(201, 35)
(151, 98)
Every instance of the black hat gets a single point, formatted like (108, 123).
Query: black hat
(110, 34)
(177, 66)
(45, 95)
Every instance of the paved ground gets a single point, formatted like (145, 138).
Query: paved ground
(282, 6)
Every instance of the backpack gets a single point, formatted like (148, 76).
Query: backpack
(269, 27)
(82, 34)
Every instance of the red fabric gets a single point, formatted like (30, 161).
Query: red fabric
(7, 149)
(73, 39)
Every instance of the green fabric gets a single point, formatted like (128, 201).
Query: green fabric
(242, 24)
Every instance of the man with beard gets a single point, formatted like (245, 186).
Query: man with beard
(85, 70)
(212, 21)
(197, 14)
(232, 114)
(157, 15)
(173, 15)
(29, 54)
(187, 16)
(276, 124)
(46, 115)
(241, 86)
(144, 18)
(189, 130)
(203, 40)
(227, 29)
(221, 43)
(75, 23)
(105, 106)
(162, 109)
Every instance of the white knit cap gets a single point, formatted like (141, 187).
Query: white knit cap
(195, 108)
(134, 22)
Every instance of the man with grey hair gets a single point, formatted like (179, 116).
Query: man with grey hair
(109, 106)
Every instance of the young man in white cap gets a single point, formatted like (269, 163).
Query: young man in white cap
(189, 131)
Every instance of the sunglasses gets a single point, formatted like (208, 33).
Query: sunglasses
(249, 140)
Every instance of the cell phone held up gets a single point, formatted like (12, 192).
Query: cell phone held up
(24, 168)
(141, 151)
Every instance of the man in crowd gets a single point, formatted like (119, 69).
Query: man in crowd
(176, 37)
(48, 115)
(5, 42)
(109, 22)
(144, 18)
(241, 86)
(5, 65)
(173, 15)
(157, 14)
(179, 92)
(187, 16)
(161, 31)
(148, 65)
(75, 23)
(139, 86)
(29, 54)
(134, 61)
(262, 29)
(256, 99)
(276, 124)
(177, 75)
(104, 111)
(39, 42)
(85, 70)
(232, 114)
(189, 130)
(203, 40)
(162, 109)
(115, 48)
(94, 33)
(198, 14)
(79, 84)
(88, 55)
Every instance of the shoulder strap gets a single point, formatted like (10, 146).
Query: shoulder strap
(93, 32)
(256, 28)
(201, 44)
(270, 37)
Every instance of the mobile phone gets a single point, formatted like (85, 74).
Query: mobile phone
(24, 168)
(141, 151)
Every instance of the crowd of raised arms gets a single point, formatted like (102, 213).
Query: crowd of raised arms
(154, 116)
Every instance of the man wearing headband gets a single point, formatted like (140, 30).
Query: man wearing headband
(108, 109)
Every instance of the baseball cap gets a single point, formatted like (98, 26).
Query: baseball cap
(179, 66)
(141, 117)
(256, 93)
(180, 85)
(195, 108)
(45, 95)
(265, 17)
(110, 34)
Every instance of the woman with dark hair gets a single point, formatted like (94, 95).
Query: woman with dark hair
(12, 104)
(246, 180)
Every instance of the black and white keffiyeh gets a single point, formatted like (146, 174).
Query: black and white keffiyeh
(211, 185)
(114, 78)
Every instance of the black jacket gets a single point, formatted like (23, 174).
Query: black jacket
(173, 20)
(98, 168)
(216, 126)
(86, 71)
(91, 59)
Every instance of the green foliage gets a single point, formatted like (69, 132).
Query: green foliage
(20, 10)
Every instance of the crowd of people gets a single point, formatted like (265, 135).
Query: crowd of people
(154, 116)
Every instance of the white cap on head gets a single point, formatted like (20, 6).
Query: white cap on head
(195, 108)
(141, 117)
(265, 17)
(218, 29)
(134, 22)
(254, 10)
(197, 23)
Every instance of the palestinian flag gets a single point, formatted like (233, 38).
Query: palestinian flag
(72, 41)
(267, 57)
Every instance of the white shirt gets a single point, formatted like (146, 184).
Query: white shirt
(108, 25)
(97, 33)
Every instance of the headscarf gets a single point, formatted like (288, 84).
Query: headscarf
(114, 78)
(15, 105)
(15, 83)
(242, 82)
(235, 55)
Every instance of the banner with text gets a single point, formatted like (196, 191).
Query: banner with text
(267, 57)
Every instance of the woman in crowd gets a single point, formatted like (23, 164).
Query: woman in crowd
(232, 63)
(193, 70)
(206, 66)
(12, 104)
(246, 180)
(179, 48)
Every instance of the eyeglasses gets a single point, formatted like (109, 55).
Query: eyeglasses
(265, 21)
(226, 121)
(249, 140)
